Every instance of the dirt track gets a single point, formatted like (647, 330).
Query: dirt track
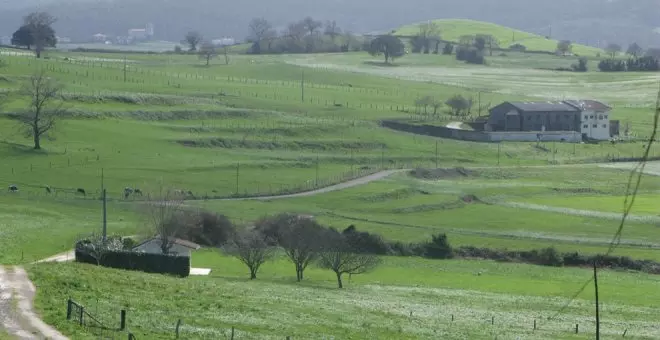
(17, 315)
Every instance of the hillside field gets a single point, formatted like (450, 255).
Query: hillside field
(283, 124)
(453, 29)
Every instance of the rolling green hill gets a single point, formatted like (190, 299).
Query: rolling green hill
(453, 29)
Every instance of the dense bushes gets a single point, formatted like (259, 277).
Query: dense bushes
(642, 64)
(206, 228)
(470, 55)
(87, 251)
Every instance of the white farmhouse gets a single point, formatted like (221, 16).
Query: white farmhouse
(595, 120)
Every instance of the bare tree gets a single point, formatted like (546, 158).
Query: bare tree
(339, 257)
(564, 47)
(97, 248)
(40, 26)
(613, 49)
(311, 25)
(225, 51)
(296, 31)
(332, 29)
(260, 30)
(251, 248)
(634, 50)
(45, 106)
(166, 218)
(207, 52)
(299, 236)
(193, 38)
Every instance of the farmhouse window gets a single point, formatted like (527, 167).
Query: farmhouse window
(605, 116)
(591, 117)
(604, 125)
(600, 117)
(595, 125)
(586, 126)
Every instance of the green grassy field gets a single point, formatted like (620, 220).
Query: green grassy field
(453, 29)
(256, 127)
(405, 299)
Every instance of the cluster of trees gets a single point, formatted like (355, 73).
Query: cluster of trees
(458, 105)
(205, 49)
(564, 47)
(428, 38)
(640, 64)
(473, 48)
(305, 36)
(36, 31)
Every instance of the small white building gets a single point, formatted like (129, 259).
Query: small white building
(594, 120)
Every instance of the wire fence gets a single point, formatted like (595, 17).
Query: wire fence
(93, 324)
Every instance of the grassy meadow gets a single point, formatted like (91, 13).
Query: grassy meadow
(279, 124)
(453, 29)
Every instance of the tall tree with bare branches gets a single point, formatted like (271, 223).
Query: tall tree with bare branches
(260, 30)
(39, 25)
(338, 256)
(45, 106)
(207, 52)
(166, 218)
(251, 248)
(332, 29)
(193, 38)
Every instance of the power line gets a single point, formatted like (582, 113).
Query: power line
(634, 181)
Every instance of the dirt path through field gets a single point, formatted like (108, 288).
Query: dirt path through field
(580, 212)
(17, 316)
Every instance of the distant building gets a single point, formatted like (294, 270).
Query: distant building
(225, 41)
(100, 37)
(63, 40)
(179, 247)
(141, 34)
(588, 117)
(5, 40)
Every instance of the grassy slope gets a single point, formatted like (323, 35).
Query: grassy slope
(453, 29)
(35, 228)
(373, 306)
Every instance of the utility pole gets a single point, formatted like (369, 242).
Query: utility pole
(317, 170)
(105, 218)
(105, 210)
(125, 66)
(597, 309)
(479, 96)
(436, 154)
(238, 166)
(498, 153)
(302, 87)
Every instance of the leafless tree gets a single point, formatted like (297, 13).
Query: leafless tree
(166, 218)
(39, 24)
(260, 30)
(193, 38)
(299, 236)
(311, 25)
(338, 256)
(45, 106)
(332, 29)
(251, 248)
(225, 51)
(613, 49)
(296, 31)
(207, 52)
(97, 248)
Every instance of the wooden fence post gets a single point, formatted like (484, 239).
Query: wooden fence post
(178, 324)
(122, 320)
(82, 311)
(68, 309)
(577, 328)
(232, 333)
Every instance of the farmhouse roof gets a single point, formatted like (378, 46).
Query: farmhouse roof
(587, 104)
(547, 106)
(184, 243)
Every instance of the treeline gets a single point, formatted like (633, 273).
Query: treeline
(305, 242)
(633, 64)
(305, 36)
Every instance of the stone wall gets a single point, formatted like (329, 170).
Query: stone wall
(483, 136)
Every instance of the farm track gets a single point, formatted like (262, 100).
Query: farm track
(17, 316)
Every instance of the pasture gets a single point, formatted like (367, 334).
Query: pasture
(267, 125)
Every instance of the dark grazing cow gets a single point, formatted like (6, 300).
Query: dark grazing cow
(13, 188)
(81, 191)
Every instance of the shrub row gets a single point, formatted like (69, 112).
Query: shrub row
(439, 248)
(146, 262)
